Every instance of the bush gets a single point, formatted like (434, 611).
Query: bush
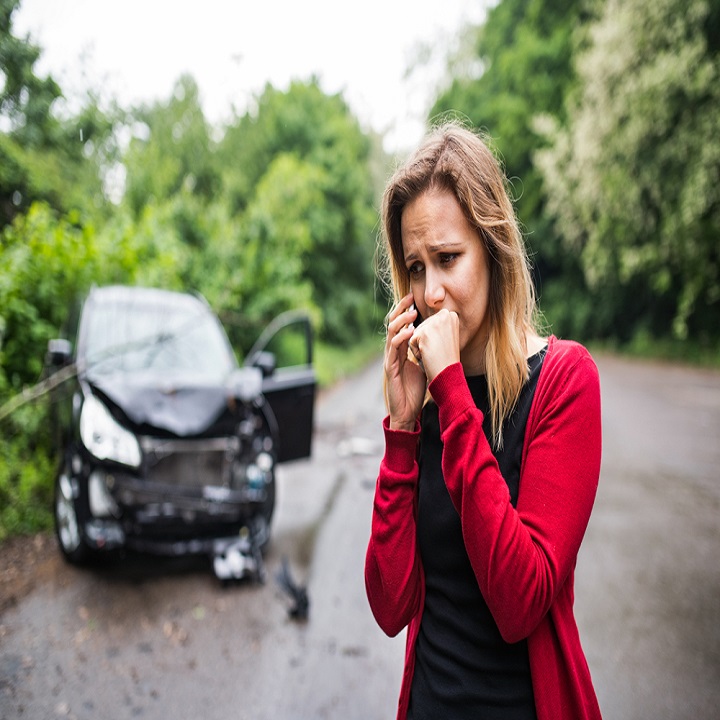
(27, 470)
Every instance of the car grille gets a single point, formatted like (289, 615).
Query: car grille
(189, 463)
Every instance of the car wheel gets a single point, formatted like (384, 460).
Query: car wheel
(67, 522)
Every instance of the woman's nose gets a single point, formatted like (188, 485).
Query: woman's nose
(434, 291)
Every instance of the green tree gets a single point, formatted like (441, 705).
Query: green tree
(519, 65)
(263, 274)
(236, 203)
(633, 179)
(42, 156)
(144, 251)
(45, 264)
(171, 150)
(324, 137)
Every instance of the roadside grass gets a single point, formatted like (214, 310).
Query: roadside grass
(643, 347)
(26, 482)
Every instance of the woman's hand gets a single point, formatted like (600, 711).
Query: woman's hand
(436, 342)
(405, 380)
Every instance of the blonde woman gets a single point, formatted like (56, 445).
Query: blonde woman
(492, 455)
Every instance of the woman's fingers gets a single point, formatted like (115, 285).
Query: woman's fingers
(436, 343)
(402, 314)
(402, 336)
(399, 326)
(405, 382)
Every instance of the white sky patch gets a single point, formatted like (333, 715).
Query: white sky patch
(135, 50)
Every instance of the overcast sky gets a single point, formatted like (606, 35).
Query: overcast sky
(137, 49)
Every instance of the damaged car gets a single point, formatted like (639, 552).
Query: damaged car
(167, 445)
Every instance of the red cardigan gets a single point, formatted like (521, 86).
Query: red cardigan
(523, 558)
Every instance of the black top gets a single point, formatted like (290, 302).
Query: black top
(463, 667)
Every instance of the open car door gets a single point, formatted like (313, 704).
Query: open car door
(284, 354)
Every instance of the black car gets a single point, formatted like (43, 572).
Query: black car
(167, 445)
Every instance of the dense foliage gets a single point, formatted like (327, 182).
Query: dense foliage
(633, 176)
(43, 155)
(606, 116)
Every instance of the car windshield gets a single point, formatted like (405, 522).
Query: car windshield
(159, 335)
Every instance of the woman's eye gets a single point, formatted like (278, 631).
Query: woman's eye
(447, 258)
(415, 269)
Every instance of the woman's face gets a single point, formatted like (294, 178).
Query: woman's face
(448, 268)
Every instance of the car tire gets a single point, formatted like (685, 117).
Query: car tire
(67, 521)
(270, 438)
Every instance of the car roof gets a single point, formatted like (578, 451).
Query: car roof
(145, 295)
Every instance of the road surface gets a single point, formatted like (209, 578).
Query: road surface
(157, 640)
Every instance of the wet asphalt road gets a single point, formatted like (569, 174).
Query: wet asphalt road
(158, 640)
(648, 578)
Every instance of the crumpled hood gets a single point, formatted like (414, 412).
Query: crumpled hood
(182, 406)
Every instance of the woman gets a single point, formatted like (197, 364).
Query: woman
(492, 455)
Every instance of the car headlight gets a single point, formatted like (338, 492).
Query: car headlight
(104, 437)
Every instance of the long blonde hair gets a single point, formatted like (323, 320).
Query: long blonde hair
(456, 159)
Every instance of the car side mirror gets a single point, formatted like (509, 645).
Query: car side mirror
(266, 361)
(59, 352)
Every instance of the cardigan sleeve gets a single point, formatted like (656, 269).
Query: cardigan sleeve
(522, 556)
(393, 574)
